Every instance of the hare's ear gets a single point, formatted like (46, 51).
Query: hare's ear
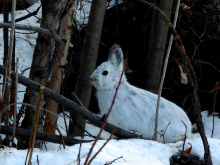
(115, 55)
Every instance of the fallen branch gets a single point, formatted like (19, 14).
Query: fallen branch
(93, 118)
(69, 141)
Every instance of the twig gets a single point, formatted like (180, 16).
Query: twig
(201, 19)
(78, 125)
(108, 163)
(33, 28)
(37, 160)
(20, 142)
(213, 113)
(64, 117)
(204, 62)
(164, 71)
(61, 136)
(184, 140)
(28, 15)
(34, 129)
(78, 156)
(27, 105)
(12, 26)
(90, 161)
(15, 103)
(165, 132)
(5, 79)
(56, 127)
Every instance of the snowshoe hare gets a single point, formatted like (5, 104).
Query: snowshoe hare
(134, 109)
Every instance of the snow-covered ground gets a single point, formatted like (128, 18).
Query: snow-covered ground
(129, 152)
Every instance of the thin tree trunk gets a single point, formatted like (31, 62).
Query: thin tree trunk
(57, 74)
(45, 55)
(156, 45)
(9, 64)
(88, 62)
(5, 36)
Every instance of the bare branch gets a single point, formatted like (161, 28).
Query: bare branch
(33, 28)
(69, 141)
(213, 113)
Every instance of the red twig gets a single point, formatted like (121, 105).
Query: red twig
(90, 161)
(78, 156)
(213, 113)
(37, 160)
(106, 117)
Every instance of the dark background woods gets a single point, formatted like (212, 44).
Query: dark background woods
(200, 44)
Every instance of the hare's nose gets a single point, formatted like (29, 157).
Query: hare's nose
(92, 79)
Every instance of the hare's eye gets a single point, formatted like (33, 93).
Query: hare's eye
(105, 72)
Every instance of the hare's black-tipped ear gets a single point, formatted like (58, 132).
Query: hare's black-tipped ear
(115, 55)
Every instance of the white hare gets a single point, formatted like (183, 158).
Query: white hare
(134, 108)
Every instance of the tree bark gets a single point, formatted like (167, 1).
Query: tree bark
(88, 62)
(156, 45)
(93, 118)
(6, 100)
(56, 78)
(45, 55)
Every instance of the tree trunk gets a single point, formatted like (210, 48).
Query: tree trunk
(5, 36)
(156, 45)
(45, 50)
(88, 62)
(58, 72)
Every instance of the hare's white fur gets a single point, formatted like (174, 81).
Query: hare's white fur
(134, 108)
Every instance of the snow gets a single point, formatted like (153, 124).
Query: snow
(132, 151)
